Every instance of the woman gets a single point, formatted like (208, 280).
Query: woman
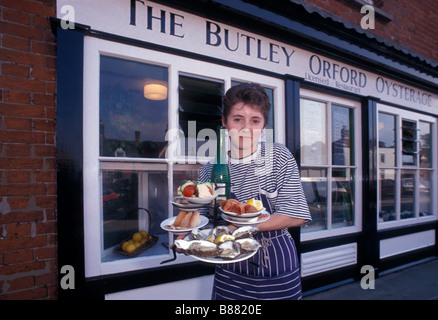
(268, 173)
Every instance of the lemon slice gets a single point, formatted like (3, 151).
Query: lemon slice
(223, 238)
(255, 203)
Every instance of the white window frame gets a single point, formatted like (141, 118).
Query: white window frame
(400, 115)
(356, 106)
(93, 48)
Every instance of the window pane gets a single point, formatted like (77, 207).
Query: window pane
(131, 125)
(425, 145)
(200, 108)
(387, 140)
(409, 142)
(314, 183)
(407, 190)
(387, 195)
(124, 191)
(313, 132)
(342, 195)
(425, 193)
(342, 136)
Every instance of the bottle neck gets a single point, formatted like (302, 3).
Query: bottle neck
(221, 156)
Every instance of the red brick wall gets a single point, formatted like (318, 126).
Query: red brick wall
(28, 265)
(414, 24)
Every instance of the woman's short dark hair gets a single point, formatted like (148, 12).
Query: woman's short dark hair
(251, 94)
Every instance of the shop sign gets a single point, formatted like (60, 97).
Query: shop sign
(154, 23)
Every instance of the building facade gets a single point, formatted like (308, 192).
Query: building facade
(354, 96)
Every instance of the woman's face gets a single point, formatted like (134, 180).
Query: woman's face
(245, 125)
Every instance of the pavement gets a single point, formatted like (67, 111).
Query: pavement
(417, 281)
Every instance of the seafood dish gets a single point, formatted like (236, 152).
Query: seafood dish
(232, 205)
(185, 220)
(221, 243)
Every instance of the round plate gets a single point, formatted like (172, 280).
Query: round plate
(204, 200)
(202, 222)
(244, 215)
(185, 206)
(245, 223)
(242, 257)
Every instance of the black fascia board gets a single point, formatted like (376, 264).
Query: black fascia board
(284, 19)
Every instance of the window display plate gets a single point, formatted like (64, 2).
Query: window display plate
(202, 222)
(242, 223)
(204, 200)
(243, 215)
(186, 206)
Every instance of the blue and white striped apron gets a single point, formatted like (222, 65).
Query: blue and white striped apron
(273, 273)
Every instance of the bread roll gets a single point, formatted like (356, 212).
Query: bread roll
(194, 220)
(179, 218)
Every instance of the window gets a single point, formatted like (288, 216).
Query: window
(407, 170)
(132, 123)
(330, 165)
(137, 104)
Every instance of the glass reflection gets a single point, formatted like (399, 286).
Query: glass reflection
(409, 142)
(131, 125)
(407, 189)
(313, 132)
(342, 136)
(314, 183)
(387, 195)
(425, 193)
(123, 193)
(425, 145)
(342, 195)
(386, 140)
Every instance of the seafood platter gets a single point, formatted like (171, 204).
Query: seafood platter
(240, 213)
(220, 244)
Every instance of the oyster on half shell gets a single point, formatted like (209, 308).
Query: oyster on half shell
(200, 248)
(244, 232)
(229, 250)
(248, 245)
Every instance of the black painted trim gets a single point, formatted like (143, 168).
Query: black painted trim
(69, 152)
(292, 127)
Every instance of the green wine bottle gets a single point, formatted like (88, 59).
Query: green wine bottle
(220, 173)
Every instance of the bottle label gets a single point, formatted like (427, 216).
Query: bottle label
(221, 191)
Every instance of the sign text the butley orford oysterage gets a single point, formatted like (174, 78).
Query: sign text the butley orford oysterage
(154, 23)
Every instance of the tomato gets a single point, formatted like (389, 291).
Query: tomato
(189, 191)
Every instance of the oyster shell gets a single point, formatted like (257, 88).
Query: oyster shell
(196, 235)
(200, 248)
(244, 232)
(229, 250)
(248, 245)
(220, 230)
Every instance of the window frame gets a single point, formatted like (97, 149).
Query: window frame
(400, 115)
(329, 100)
(93, 48)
